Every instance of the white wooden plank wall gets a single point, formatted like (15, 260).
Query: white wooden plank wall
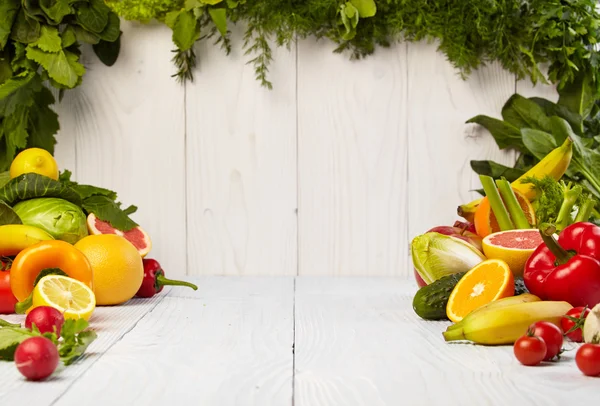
(333, 172)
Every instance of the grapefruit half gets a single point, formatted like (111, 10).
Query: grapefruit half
(513, 247)
(137, 236)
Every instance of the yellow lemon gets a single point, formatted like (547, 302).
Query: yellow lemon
(34, 160)
(117, 267)
(74, 299)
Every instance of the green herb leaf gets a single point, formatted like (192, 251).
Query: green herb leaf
(578, 97)
(219, 17)
(32, 185)
(56, 10)
(63, 66)
(25, 29)
(68, 37)
(43, 122)
(8, 215)
(74, 340)
(93, 16)
(523, 113)
(107, 210)
(108, 52)
(85, 36)
(553, 109)
(10, 338)
(211, 2)
(186, 30)
(49, 40)
(4, 178)
(366, 8)
(540, 143)
(505, 134)
(112, 31)
(8, 13)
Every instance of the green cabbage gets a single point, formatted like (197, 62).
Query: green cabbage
(61, 219)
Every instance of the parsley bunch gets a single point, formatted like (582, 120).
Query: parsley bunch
(39, 50)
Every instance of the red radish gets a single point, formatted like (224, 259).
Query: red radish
(36, 358)
(46, 319)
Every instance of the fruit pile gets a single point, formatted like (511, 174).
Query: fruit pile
(522, 268)
(65, 248)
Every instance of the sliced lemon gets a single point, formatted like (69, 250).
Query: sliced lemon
(69, 296)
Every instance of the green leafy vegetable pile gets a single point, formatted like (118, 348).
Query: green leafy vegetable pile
(534, 126)
(91, 199)
(40, 49)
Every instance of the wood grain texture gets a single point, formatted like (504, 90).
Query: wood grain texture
(111, 324)
(358, 342)
(441, 145)
(352, 167)
(127, 122)
(241, 165)
(229, 343)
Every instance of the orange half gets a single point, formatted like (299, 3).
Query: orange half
(488, 281)
(485, 221)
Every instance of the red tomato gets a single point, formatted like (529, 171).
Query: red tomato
(7, 299)
(552, 336)
(588, 359)
(572, 323)
(530, 350)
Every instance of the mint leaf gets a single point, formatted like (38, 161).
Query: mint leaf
(8, 13)
(8, 215)
(107, 210)
(93, 16)
(56, 10)
(62, 66)
(49, 40)
(366, 8)
(25, 29)
(219, 17)
(186, 31)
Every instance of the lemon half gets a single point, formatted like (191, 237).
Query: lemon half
(69, 296)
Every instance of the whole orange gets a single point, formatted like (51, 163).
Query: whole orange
(117, 265)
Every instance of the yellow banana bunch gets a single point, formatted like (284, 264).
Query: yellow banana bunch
(16, 237)
(554, 164)
(505, 322)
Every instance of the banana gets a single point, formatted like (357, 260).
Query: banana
(554, 164)
(16, 237)
(505, 324)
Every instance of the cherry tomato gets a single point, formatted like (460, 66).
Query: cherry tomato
(572, 323)
(588, 359)
(530, 350)
(552, 336)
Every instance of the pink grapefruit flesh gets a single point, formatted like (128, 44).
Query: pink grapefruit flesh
(137, 236)
(523, 240)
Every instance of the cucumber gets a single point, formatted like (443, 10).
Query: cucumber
(430, 301)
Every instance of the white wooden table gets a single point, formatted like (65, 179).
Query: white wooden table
(303, 341)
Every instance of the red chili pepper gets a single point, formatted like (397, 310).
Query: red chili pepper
(567, 269)
(154, 280)
(7, 299)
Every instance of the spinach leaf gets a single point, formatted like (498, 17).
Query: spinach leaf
(4, 178)
(539, 143)
(108, 52)
(553, 109)
(496, 170)
(506, 135)
(578, 96)
(524, 113)
(32, 185)
(8, 215)
(108, 210)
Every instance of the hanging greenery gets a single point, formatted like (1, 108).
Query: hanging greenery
(40, 40)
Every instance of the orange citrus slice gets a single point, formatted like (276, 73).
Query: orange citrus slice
(485, 220)
(488, 281)
(513, 247)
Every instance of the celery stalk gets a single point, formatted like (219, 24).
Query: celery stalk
(510, 199)
(496, 203)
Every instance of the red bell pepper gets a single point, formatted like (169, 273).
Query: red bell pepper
(7, 299)
(154, 279)
(567, 269)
